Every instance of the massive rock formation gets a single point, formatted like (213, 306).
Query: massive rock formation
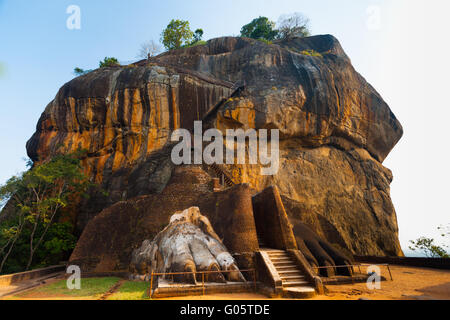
(336, 130)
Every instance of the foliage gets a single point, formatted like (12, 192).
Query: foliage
(91, 288)
(198, 35)
(60, 239)
(197, 40)
(260, 28)
(429, 248)
(80, 72)
(176, 35)
(132, 290)
(149, 49)
(265, 41)
(445, 230)
(198, 43)
(109, 62)
(311, 53)
(293, 25)
(38, 196)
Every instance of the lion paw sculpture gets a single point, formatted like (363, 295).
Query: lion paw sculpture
(188, 244)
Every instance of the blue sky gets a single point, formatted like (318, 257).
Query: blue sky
(38, 54)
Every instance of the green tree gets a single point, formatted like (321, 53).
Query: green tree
(109, 62)
(39, 194)
(176, 35)
(198, 35)
(429, 248)
(79, 72)
(260, 28)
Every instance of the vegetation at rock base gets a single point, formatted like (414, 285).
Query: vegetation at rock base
(131, 290)
(177, 34)
(429, 248)
(91, 289)
(36, 235)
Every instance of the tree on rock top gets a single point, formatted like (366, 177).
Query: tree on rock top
(293, 25)
(176, 35)
(260, 28)
(109, 62)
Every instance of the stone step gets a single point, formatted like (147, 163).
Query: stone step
(294, 284)
(281, 259)
(290, 273)
(283, 263)
(288, 267)
(278, 255)
(292, 277)
(304, 292)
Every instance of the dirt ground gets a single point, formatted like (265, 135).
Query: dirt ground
(409, 283)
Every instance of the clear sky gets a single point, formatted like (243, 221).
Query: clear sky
(400, 46)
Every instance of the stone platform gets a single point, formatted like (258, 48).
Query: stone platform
(169, 289)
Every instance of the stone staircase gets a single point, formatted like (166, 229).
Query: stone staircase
(215, 171)
(293, 281)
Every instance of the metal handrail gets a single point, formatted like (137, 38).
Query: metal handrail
(359, 266)
(150, 294)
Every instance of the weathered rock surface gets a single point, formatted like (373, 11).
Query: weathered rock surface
(123, 117)
(188, 244)
(109, 239)
(336, 130)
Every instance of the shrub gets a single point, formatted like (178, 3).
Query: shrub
(109, 62)
(260, 28)
(293, 25)
(311, 53)
(177, 34)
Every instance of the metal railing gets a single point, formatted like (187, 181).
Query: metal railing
(359, 268)
(202, 273)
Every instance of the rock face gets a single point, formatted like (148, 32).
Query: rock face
(123, 117)
(109, 239)
(187, 244)
(335, 131)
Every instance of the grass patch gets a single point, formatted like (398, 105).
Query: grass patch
(132, 291)
(91, 288)
(265, 41)
(311, 53)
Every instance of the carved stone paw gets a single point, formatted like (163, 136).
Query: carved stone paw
(188, 244)
(321, 254)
